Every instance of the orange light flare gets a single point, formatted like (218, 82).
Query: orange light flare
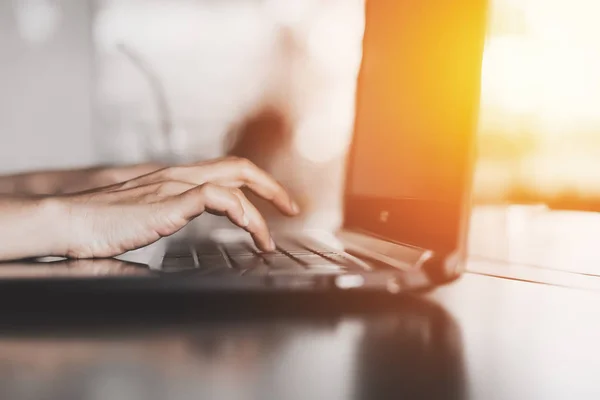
(541, 77)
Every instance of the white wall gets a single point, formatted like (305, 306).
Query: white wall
(222, 63)
(45, 84)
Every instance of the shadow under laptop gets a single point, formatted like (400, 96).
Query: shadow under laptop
(412, 349)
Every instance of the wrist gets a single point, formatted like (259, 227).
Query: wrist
(53, 217)
(30, 227)
(8, 184)
(31, 183)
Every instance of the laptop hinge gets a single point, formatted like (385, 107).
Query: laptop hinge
(404, 257)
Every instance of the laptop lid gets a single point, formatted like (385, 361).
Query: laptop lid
(410, 166)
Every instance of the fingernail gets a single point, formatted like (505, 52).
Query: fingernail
(245, 221)
(295, 207)
(272, 245)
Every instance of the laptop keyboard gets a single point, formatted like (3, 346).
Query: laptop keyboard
(297, 256)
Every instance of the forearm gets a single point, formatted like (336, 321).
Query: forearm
(46, 182)
(70, 181)
(33, 183)
(7, 184)
(30, 227)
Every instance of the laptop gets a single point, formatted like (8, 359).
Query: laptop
(409, 169)
(407, 186)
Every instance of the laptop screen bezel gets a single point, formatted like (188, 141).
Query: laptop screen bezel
(430, 224)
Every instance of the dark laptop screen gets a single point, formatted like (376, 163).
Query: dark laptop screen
(416, 114)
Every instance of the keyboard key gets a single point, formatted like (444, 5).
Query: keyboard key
(178, 249)
(247, 262)
(315, 245)
(212, 262)
(258, 269)
(322, 259)
(290, 246)
(175, 264)
(207, 249)
(238, 249)
(284, 263)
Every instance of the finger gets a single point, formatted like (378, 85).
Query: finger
(264, 185)
(231, 172)
(222, 201)
(257, 226)
(238, 172)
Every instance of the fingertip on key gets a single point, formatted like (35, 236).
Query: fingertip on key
(295, 207)
(245, 221)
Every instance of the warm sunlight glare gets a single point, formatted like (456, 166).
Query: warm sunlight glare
(550, 66)
(541, 97)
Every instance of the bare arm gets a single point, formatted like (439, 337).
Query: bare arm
(70, 181)
(28, 227)
(42, 182)
(112, 220)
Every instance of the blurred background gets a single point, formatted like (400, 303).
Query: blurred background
(123, 81)
(539, 136)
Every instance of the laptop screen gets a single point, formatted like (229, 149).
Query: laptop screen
(416, 111)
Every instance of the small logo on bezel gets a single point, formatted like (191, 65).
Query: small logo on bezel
(384, 216)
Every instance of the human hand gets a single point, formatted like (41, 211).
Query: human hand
(115, 219)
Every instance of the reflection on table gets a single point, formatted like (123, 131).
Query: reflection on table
(384, 355)
(534, 243)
